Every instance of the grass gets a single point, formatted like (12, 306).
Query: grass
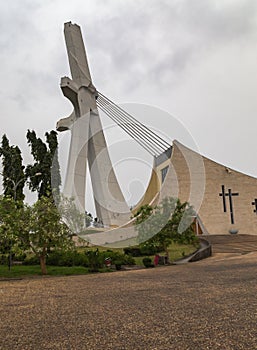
(176, 251)
(21, 271)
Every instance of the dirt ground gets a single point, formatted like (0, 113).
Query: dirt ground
(211, 304)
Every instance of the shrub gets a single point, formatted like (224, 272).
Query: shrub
(95, 260)
(58, 258)
(118, 264)
(143, 249)
(114, 256)
(67, 258)
(150, 249)
(31, 260)
(53, 259)
(19, 257)
(3, 259)
(80, 259)
(129, 260)
(147, 262)
(133, 251)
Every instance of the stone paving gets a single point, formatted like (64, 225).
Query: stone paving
(210, 304)
(232, 243)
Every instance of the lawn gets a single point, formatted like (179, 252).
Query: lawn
(19, 271)
(176, 251)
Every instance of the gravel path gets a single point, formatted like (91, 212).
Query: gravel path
(211, 304)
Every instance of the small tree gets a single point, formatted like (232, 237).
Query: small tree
(161, 225)
(44, 230)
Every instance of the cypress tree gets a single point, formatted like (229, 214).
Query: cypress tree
(13, 171)
(45, 163)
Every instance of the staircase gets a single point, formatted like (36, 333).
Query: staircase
(233, 243)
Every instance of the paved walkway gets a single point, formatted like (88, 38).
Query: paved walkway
(232, 243)
(210, 304)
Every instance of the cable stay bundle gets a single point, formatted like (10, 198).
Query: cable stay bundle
(151, 142)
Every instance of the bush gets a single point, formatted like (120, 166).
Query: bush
(95, 260)
(19, 257)
(3, 259)
(66, 258)
(143, 249)
(54, 258)
(149, 249)
(32, 260)
(148, 262)
(129, 260)
(116, 256)
(80, 259)
(133, 251)
(118, 264)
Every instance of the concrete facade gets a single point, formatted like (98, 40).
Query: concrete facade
(206, 185)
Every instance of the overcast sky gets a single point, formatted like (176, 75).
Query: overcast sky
(196, 60)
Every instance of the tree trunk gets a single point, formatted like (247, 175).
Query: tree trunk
(43, 264)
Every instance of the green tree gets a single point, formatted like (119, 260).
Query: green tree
(46, 163)
(13, 171)
(166, 223)
(44, 230)
(35, 228)
(10, 227)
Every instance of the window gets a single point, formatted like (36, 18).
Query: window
(164, 172)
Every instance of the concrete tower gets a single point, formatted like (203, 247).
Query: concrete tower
(88, 145)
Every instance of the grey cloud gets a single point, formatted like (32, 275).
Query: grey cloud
(136, 49)
(205, 28)
(139, 43)
(223, 21)
(166, 36)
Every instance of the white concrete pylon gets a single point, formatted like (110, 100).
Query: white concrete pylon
(87, 139)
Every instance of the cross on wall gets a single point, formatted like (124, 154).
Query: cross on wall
(230, 195)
